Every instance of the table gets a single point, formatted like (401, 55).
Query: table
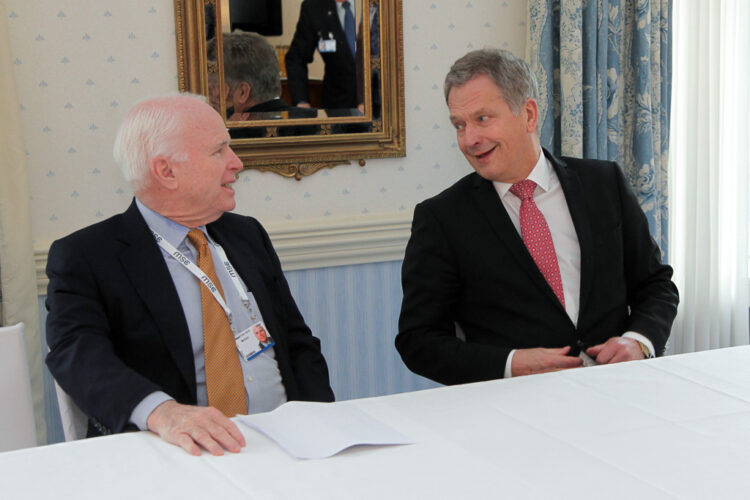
(674, 427)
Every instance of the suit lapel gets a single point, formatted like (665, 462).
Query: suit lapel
(574, 196)
(143, 263)
(497, 217)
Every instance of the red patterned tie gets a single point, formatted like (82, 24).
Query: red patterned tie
(536, 236)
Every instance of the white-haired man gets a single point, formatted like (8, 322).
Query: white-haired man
(150, 311)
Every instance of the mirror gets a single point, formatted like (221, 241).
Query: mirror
(287, 138)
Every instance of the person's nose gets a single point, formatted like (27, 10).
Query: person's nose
(235, 164)
(471, 136)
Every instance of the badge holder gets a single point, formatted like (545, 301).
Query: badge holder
(327, 45)
(254, 340)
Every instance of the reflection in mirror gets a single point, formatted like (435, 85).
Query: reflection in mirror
(317, 76)
(252, 80)
(330, 27)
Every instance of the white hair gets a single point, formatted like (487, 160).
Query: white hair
(151, 128)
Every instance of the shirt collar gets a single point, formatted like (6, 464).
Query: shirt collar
(540, 174)
(340, 9)
(170, 230)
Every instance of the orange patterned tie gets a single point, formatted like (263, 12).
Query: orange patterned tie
(224, 383)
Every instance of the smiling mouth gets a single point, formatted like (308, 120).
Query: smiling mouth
(482, 156)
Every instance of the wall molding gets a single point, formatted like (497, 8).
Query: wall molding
(317, 243)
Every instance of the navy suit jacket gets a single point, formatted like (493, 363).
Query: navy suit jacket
(466, 263)
(117, 331)
(319, 18)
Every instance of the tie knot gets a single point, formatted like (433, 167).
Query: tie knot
(197, 238)
(524, 189)
(346, 5)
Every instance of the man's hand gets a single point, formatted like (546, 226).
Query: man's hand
(303, 104)
(541, 360)
(195, 427)
(615, 350)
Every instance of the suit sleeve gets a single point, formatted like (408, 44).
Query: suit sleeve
(652, 296)
(82, 357)
(307, 361)
(300, 54)
(432, 288)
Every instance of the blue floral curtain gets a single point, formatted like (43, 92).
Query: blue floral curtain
(604, 70)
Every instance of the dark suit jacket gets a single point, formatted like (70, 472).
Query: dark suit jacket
(116, 328)
(465, 263)
(273, 110)
(317, 19)
(279, 105)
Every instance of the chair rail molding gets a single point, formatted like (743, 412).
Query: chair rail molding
(316, 243)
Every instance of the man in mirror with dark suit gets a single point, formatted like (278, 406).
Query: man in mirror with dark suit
(532, 263)
(150, 311)
(328, 26)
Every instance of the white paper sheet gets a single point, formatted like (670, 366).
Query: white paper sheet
(320, 430)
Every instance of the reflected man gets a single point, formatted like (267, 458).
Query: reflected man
(322, 25)
(252, 80)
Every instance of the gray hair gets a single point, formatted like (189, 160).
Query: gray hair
(152, 128)
(511, 74)
(248, 57)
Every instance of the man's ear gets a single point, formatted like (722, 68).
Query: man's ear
(163, 172)
(242, 94)
(532, 115)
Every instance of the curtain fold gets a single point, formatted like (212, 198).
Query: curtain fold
(709, 173)
(17, 268)
(604, 70)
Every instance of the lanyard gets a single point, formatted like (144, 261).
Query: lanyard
(232, 275)
(202, 277)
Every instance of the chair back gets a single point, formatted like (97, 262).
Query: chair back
(17, 428)
(74, 421)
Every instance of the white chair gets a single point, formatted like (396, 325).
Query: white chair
(74, 421)
(17, 428)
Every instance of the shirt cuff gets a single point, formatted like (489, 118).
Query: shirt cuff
(508, 363)
(145, 407)
(642, 339)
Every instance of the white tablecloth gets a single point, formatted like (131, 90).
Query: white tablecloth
(674, 427)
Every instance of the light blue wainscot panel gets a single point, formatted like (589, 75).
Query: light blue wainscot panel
(353, 310)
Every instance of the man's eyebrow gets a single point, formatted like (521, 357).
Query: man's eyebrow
(482, 111)
(478, 112)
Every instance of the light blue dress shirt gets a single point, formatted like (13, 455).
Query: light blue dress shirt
(263, 386)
